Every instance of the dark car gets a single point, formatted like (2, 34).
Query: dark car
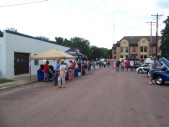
(162, 76)
(158, 67)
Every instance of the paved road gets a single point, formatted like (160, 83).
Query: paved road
(104, 98)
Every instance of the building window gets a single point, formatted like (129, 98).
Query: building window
(127, 56)
(134, 49)
(121, 56)
(127, 49)
(143, 56)
(36, 62)
(143, 49)
(114, 52)
(114, 57)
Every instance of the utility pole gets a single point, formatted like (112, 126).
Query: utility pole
(151, 40)
(157, 16)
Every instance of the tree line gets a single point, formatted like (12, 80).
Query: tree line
(165, 40)
(93, 52)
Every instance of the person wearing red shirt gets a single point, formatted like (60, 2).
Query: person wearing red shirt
(46, 71)
(127, 64)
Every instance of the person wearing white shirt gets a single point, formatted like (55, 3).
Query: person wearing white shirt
(61, 78)
(152, 67)
(132, 65)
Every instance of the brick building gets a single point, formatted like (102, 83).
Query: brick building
(138, 46)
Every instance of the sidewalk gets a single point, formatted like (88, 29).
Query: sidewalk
(19, 81)
(25, 80)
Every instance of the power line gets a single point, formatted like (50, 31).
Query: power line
(22, 3)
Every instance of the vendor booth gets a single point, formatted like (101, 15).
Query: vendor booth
(81, 61)
(74, 52)
(49, 55)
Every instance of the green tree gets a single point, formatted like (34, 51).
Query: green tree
(82, 44)
(12, 29)
(92, 52)
(165, 40)
(110, 53)
(60, 41)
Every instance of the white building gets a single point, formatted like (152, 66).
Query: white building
(16, 50)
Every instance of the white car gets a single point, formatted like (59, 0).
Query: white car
(142, 68)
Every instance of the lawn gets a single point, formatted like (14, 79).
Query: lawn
(5, 81)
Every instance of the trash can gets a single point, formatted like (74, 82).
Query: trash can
(40, 75)
(76, 72)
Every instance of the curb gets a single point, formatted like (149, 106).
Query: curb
(15, 85)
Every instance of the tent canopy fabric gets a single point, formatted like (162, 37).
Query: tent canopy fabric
(52, 54)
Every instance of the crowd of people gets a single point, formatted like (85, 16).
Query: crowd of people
(64, 71)
(124, 65)
(60, 72)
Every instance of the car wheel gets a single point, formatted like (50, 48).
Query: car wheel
(140, 71)
(148, 73)
(159, 80)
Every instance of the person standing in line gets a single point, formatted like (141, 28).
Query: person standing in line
(72, 68)
(132, 65)
(117, 66)
(127, 64)
(100, 64)
(108, 63)
(56, 72)
(46, 71)
(61, 78)
(122, 64)
(152, 67)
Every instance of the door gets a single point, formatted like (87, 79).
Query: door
(21, 63)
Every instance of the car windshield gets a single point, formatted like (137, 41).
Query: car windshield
(165, 62)
(158, 63)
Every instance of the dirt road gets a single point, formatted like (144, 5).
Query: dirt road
(103, 98)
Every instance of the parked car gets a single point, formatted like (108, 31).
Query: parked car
(145, 68)
(162, 76)
(142, 68)
(158, 67)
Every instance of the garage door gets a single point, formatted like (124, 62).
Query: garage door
(21, 63)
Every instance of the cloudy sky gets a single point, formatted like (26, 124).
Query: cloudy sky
(102, 22)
